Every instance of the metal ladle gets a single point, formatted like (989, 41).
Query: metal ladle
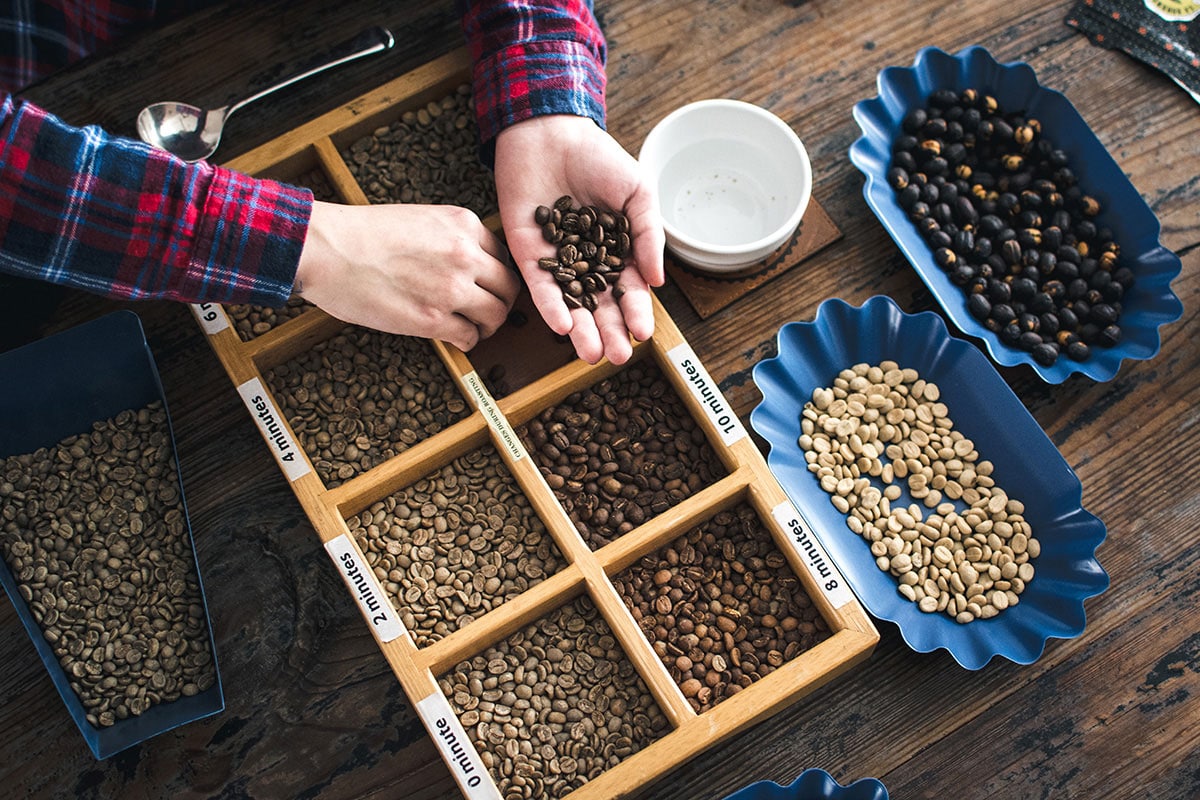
(193, 133)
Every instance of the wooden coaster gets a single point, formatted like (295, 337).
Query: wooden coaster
(710, 292)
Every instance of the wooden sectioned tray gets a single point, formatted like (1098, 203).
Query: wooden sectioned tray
(480, 408)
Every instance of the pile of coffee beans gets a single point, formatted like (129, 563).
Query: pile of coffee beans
(456, 544)
(970, 562)
(318, 182)
(592, 245)
(554, 705)
(252, 321)
(1005, 217)
(621, 452)
(429, 155)
(721, 607)
(94, 533)
(363, 396)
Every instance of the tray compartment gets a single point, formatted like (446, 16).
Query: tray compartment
(456, 544)
(621, 451)
(363, 397)
(720, 605)
(555, 704)
(422, 151)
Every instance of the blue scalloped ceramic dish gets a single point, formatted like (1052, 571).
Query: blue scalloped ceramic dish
(984, 409)
(1149, 304)
(813, 784)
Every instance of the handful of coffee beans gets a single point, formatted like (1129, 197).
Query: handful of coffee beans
(1005, 217)
(592, 245)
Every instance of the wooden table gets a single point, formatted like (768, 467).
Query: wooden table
(312, 708)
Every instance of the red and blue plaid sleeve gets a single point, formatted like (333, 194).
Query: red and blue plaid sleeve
(37, 38)
(532, 58)
(116, 217)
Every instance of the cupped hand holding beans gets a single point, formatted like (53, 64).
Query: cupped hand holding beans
(544, 158)
(433, 271)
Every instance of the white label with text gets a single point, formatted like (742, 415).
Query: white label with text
(705, 390)
(457, 751)
(485, 403)
(804, 542)
(270, 422)
(366, 590)
(212, 318)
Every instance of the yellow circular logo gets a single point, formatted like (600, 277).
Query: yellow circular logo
(1175, 10)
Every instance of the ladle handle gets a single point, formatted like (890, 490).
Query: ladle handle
(372, 40)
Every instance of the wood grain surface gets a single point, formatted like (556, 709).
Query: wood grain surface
(312, 709)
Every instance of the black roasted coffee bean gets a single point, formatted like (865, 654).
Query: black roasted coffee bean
(1000, 206)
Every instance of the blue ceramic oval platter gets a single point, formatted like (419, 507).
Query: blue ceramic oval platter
(813, 784)
(981, 405)
(1147, 305)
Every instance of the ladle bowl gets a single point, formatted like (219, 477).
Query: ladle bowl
(193, 133)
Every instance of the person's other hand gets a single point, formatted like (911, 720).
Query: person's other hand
(433, 271)
(541, 159)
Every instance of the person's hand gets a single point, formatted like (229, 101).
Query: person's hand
(422, 270)
(541, 159)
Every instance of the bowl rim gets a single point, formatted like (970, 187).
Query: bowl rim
(769, 241)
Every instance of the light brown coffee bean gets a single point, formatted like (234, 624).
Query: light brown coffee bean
(362, 397)
(107, 598)
(581, 709)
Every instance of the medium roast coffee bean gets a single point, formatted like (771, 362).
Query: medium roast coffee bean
(592, 246)
(621, 452)
(721, 607)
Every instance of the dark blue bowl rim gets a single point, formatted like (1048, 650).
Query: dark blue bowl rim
(813, 784)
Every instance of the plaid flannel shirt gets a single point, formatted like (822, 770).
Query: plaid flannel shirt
(113, 216)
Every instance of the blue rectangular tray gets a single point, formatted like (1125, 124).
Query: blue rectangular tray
(55, 388)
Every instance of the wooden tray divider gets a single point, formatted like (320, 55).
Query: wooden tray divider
(290, 339)
(637, 647)
(406, 468)
(317, 145)
(338, 173)
(577, 375)
(677, 520)
(535, 602)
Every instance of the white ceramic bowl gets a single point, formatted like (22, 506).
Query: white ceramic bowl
(733, 182)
